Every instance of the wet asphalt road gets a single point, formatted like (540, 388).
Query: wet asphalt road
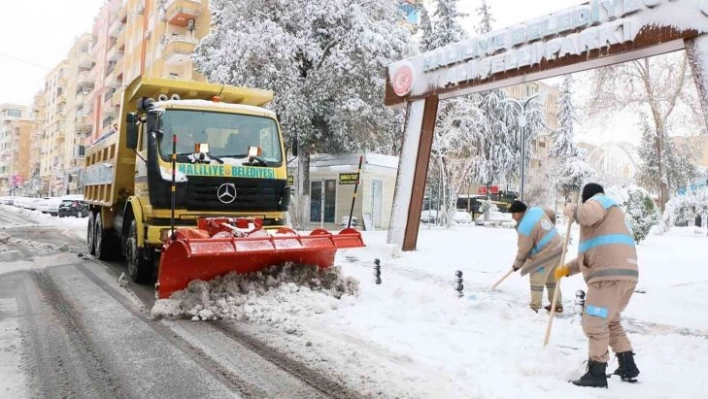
(69, 330)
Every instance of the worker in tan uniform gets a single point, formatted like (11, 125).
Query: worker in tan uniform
(539, 251)
(608, 260)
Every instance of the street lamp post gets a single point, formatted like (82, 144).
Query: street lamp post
(522, 126)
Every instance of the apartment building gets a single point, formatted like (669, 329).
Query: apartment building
(134, 38)
(35, 184)
(15, 130)
(699, 145)
(82, 95)
(540, 145)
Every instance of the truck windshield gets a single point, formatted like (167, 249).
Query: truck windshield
(228, 135)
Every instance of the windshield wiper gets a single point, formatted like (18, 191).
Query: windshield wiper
(199, 158)
(251, 159)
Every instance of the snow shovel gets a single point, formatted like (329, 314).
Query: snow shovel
(555, 293)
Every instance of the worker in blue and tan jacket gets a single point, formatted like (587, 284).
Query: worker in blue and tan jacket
(539, 251)
(607, 258)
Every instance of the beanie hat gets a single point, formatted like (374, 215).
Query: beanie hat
(517, 207)
(590, 190)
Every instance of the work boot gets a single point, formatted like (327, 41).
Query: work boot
(627, 369)
(595, 376)
(559, 308)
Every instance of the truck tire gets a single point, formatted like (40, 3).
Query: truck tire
(140, 269)
(105, 241)
(90, 236)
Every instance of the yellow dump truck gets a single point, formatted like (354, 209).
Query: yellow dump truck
(230, 162)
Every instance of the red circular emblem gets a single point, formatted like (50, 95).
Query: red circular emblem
(403, 80)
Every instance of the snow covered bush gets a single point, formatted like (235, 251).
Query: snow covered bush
(642, 213)
(640, 210)
(683, 208)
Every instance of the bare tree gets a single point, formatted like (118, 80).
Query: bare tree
(654, 86)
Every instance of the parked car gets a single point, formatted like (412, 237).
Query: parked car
(33, 203)
(43, 205)
(73, 207)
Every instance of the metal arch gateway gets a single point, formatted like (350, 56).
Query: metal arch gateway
(587, 36)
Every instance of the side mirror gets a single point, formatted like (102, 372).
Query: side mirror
(294, 149)
(131, 129)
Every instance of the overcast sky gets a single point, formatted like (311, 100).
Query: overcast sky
(40, 33)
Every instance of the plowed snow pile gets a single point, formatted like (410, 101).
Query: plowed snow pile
(278, 296)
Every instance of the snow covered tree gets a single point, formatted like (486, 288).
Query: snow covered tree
(684, 208)
(322, 58)
(426, 26)
(639, 208)
(484, 12)
(457, 132)
(642, 213)
(446, 26)
(653, 86)
(571, 167)
(679, 170)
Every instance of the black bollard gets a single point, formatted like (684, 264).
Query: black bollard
(459, 287)
(579, 305)
(377, 271)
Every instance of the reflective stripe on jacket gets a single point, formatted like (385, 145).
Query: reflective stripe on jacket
(539, 243)
(606, 250)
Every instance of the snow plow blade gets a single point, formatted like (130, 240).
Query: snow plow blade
(221, 246)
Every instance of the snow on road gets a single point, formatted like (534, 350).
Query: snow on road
(74, 226)
(411, 336)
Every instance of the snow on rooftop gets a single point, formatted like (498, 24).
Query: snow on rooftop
(351, 159)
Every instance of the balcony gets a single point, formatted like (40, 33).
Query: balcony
(61, 99)
(120, 40)
(111, 82)
(179, 12)
(178, 49)
(85, 61)
(83, 124)
(85, 79)
(85, 110)
(114, 54)
(123, 13)
(116, 28)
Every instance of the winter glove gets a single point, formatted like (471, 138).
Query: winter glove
(569, 211)
(515, 268)
(562, 271)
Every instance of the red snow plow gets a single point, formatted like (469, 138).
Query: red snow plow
(218, 246)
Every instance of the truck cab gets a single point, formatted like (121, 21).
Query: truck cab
(183, 150)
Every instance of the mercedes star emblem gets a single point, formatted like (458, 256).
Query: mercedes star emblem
(226, 193)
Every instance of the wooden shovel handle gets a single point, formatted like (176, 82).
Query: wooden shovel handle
(555, 293)
(502, 279)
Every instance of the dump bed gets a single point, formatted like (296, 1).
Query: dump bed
(110, 165)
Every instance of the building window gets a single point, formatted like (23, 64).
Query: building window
(12, 112)
(330, 197)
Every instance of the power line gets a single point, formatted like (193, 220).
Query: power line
(25, 61)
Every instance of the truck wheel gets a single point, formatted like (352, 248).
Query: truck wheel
(105, 241)
(139, 268)
(90, 235)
